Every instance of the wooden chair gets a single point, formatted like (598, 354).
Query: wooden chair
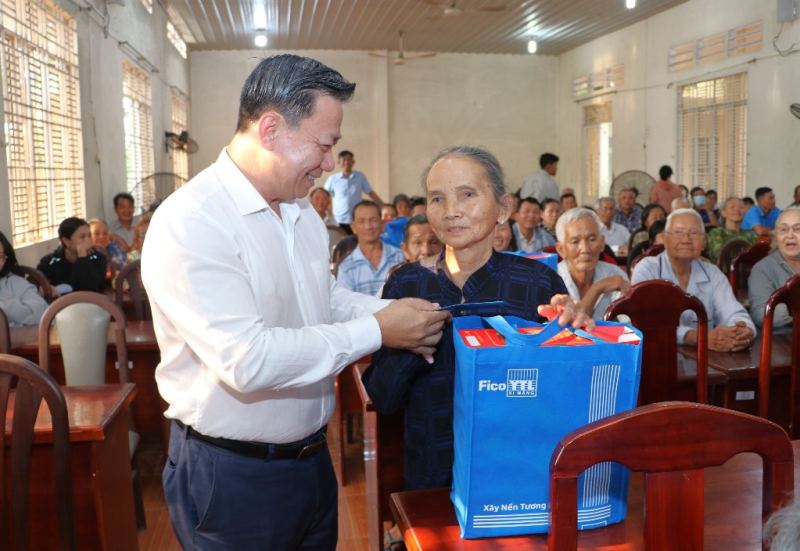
(741, 265)
(33, 385)
(730, 250)
(5, 334)
(655, 309)
(37, 278)
(653, 250)
(132, 275)
(82, 318)
(789, 295)
(671, 443)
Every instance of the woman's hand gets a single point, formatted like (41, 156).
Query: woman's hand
(568, 311)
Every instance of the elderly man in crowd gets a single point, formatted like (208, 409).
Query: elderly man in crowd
(761, 218)
(419, 241)
(595, 284)
(628, 214)
(321, 201)
(729, 326)
(733, 212)
(526, 231)
(568, 201)
(617, 235)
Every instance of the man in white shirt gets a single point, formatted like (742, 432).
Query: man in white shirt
(617, 235)
(541, 186)
(347, 187)
(252, 327)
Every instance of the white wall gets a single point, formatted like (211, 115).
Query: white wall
(100, 66)
(401, 116)
(644, 110)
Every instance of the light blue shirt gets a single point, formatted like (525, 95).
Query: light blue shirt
(356, 273)
(602, 271)
(706, 283)
(346, 194)
(539, 240)
(755, 215)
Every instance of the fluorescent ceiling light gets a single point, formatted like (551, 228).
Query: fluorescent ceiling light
(630, 4)
(259, 15)
(261, 39)
(531, 46)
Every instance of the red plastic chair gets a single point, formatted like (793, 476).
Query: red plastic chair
(653, 250)
(671, 443)
(741, 265)
(789, 295)
(655, 309)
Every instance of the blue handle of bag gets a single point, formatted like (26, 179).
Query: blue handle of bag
(499, 324)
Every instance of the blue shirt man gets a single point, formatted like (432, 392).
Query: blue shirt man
(762, 216)
(346, 188)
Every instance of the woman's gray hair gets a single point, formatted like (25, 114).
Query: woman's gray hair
(782, 530)
(488, 161)
(679, 212)
(599, 203)
(573, 215)
(773, 235)
(677, 200)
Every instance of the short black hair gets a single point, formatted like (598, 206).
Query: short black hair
(748, 201)
(632, 190)
(762, 191)
(367, 203)
(658, 227)
(123, 195)
(418, 220)
(547, 159)
(289, 84)
(665, 172)
(648, 209)
(548, 201)
(415, 201)
(711, 192)
(10, 265)
(345, 153)
(530, 200)
(697, 188)
(69, 226)
(565, 195)
(316, 189)
(400, 197)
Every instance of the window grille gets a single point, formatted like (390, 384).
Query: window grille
(712, 135)
(175, 38)
(41, 103)
(180, 159)
(138, 132)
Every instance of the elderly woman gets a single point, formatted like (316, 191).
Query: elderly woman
(19, 300)
(733, 212)
(466, 200)
(107, 243)
(729, 326)
(595, 284)
(772, 272)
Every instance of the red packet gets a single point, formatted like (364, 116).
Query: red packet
(482, 338)
(616, 334)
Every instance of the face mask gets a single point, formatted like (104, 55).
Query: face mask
(699, 200)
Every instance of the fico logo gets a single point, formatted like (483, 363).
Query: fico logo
(520, 383)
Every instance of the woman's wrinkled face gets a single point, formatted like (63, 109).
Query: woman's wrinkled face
(787, 233)
(462, 208)
(99, 233)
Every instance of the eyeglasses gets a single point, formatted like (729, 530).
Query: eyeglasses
(680, 234)
(786, 229)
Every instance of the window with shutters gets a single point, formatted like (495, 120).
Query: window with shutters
(597, 132)
(174, 36)
(148, 5)
(138, 132)
(180, 159)
(41, 104)
(712, 135)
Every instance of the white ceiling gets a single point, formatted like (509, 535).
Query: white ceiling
(483, 26)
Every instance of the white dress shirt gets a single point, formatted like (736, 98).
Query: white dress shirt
(707, 283)
(601, 271)
(251, 325)
(540, 186)
(616, 236)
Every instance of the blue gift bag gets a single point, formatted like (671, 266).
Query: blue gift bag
(549, 259)
(514, 402)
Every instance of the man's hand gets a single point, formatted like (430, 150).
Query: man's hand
(730, 339)
(413, 324)
(613, 283)
(567, 311)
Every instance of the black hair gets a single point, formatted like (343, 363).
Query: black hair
(530, 200)
(345, 153)
(648, 209)
(547, 159)
(418, 220)
(289, 84)
(762, 191)
(316, 189)
(748, 201)
(697, 188)
(665, 172)
(658, 226)
(564, 196)
(10, 265)
(415, 201)
(400, 197)
(69, 226)
(123, 195)
(712, 192)
(367, 203)
(548, 201)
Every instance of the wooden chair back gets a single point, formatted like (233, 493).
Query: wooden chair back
(730, 250)
(5, 334)
(671, 443)
(85, 297)
(652, 250)
(789, 295)
(655, 309)
(33, 385)
(742, 263)
(37, 278)
(131, 273)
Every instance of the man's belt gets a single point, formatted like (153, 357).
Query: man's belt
(259, 450)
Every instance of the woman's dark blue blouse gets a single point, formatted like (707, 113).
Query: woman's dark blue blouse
(398, 378)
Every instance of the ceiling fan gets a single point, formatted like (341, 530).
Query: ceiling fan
(452, 10)
(401, 57)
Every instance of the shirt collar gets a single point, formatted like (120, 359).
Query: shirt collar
(245, 196)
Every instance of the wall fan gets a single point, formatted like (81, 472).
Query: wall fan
(795, 109)
(638, 179)
(181, 142)
(151, 190)
(401, 57)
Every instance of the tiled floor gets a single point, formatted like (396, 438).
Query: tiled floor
(352, 498)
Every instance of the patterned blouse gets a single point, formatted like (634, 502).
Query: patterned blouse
(719, 236)
(398, 378)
